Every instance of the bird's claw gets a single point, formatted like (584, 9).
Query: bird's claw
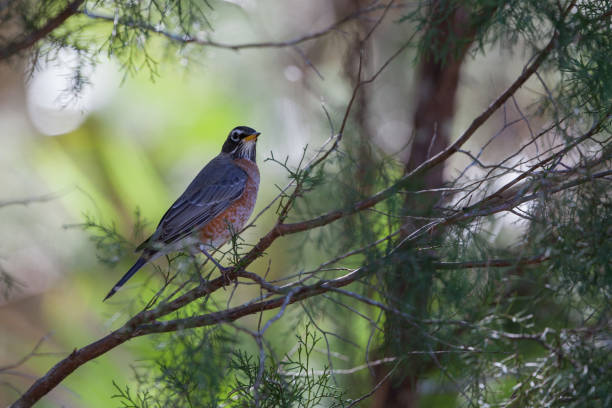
(225, 274)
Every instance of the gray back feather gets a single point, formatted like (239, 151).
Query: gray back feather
(217, 185)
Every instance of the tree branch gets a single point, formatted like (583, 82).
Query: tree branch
(145, 322)
(65, 367)
(32, 38)
(29, 200)
(492, 263)
(284, 229)
(188, 39)
(148, 321)
(235, 313)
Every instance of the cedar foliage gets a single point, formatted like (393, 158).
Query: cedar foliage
(523, 334)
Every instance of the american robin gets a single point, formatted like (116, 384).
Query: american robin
(218, 202)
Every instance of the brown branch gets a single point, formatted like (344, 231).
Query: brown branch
(322, 286)
(188, 39)
(301, 293)
(285, 229)
(235, 313)
(375, 388)
(138, 326)
(146, 322)
(32, 38)
(492, 263)
(29, 200)
(65, 367)
(127, 331)
(505, 191)
(483, 117)
(509, 204)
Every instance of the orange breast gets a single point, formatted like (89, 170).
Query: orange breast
(219, 230)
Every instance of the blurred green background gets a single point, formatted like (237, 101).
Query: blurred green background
(135, 142)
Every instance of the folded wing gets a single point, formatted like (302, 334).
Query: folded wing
(217, 185)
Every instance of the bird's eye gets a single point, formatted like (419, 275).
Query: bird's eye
(234, 137)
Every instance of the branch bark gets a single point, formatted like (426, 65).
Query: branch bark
(449, 29)
(146, 322)
(187, 39)
(32, 38)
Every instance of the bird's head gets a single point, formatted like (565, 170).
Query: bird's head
(241, 142)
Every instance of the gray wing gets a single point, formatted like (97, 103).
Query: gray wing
(217, 185)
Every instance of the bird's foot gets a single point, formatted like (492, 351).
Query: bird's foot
(225, 273)
(224, 270)
(203, 281)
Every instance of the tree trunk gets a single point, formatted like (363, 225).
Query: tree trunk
(436, 86)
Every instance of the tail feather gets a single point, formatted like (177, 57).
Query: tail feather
(139, 264)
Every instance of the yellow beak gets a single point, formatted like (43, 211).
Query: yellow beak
(251, 137)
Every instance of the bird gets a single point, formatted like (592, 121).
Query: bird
(215, 205)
